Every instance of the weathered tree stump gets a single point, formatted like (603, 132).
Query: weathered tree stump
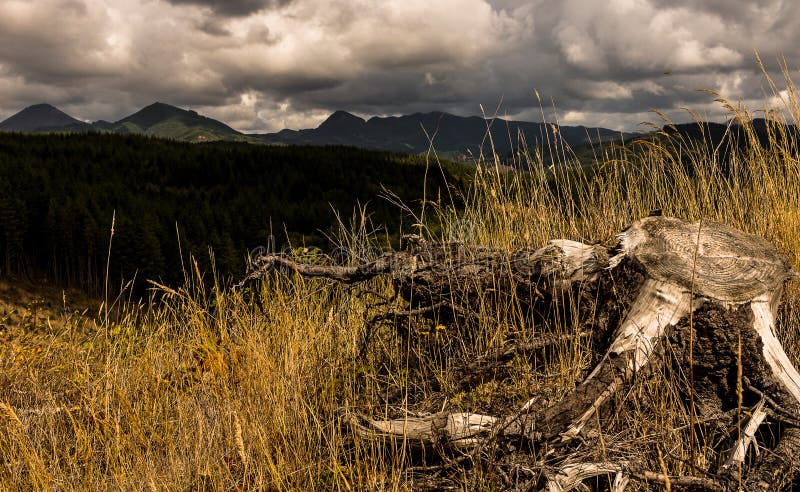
(708, 291)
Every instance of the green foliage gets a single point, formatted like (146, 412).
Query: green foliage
(58, 194)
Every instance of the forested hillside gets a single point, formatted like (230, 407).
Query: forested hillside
(58, 194)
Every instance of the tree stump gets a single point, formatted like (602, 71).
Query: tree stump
(707, 290)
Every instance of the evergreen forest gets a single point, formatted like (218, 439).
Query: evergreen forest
(171, 201)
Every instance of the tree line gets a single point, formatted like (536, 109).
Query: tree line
(59, 192)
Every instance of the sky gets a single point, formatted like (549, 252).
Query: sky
(265, 65)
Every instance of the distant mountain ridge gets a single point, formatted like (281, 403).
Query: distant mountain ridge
(158, 119)
(448, 133)
(42, 118)
(408, 134)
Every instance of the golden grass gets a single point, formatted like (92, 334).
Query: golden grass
(200, 390)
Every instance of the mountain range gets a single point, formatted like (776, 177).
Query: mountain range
(157, 119)
(450, 134)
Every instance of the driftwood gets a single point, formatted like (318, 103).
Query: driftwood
(708, 291)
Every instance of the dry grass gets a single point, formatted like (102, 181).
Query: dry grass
(201, 390)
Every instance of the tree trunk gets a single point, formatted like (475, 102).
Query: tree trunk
(709, 292)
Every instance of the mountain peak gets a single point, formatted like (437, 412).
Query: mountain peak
(42, 107)
(160, 106)
(156, 117)
(341, 120)
(157, 110)
(41, 118)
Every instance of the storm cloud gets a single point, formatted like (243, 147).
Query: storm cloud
(263, 65)
(233, 7)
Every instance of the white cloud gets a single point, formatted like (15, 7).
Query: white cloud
(606, 89)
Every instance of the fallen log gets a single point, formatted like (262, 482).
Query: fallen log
(707, 291)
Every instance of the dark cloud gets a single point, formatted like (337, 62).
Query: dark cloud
(233, 7)
(213, 27)
(262, 65)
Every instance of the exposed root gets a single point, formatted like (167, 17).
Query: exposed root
(687, 483)
(457, 430)
(708, 292)
(571, 476)
(746, 439)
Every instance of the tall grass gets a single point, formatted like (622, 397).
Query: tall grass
(204, 389)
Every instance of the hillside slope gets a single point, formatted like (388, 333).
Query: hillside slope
(166, 121)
